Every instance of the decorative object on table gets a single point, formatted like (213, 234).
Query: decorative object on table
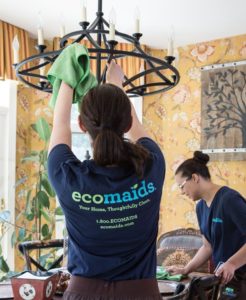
(223, 114)
(103, 49)
(34, 286)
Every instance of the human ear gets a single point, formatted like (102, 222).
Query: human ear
(195, 177)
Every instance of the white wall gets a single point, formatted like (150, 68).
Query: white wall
(8, 100)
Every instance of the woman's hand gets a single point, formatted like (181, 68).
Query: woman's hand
(114, 74)
(173, 270)
(226, 272)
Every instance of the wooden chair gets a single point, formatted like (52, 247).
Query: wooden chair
(178, 247)
(181, 293)
(204, 288)
(30, 255)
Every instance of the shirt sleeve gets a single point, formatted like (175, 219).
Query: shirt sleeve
(60, 160)
(154, 149)
(198, 214)
(235, 206)
(157, 157)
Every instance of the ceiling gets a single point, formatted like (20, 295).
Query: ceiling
(191, 21)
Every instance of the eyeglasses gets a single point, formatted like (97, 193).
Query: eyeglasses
(181, 185)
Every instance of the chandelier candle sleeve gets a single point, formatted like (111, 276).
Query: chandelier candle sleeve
(112, 21)
(170, 47)
(137, 25)
(111, 31)
(137, 20)
(40, 36)
(62, 31)
(83, 14)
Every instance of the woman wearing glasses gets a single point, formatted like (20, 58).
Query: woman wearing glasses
(221, 213)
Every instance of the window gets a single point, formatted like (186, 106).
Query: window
(8, 102)
(81, 145)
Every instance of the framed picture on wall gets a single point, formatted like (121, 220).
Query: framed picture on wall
(223, 111)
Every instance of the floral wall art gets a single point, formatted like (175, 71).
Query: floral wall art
(224, 111)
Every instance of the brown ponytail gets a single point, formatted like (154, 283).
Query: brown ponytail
(106, 114)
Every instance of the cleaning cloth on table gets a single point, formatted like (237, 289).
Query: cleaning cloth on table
(73, 67)
(162, 274)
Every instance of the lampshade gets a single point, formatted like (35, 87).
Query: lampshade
(104, 39)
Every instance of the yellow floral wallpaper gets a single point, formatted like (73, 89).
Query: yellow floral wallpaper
(32, 104)
(173, 119)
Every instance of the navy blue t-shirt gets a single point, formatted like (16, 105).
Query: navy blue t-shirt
(224, 223)
(111, 215)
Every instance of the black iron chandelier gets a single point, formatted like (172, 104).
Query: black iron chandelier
(104, 48)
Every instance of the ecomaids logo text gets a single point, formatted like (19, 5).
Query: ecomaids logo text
(135, 193)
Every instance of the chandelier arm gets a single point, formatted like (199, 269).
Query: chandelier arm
(117, 56)
(146, 72)
(93, 42)
(153, 84)
(37, 56)
(80, 38)
(152, 65)
(130, 83)
(67, 36)
(135, 54)
(105, 37)
(105, 41)
(85, 32)
(94, 24)
(33, 85)
(26, 73)
(132, 93)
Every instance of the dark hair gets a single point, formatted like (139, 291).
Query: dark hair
(106, 114)
(197, 165)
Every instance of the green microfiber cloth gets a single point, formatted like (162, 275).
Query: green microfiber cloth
(162, 274)
(73, 67)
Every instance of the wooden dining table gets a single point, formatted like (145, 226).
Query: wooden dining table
(166, 287)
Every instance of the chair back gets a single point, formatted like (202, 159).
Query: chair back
(187, 238)
(31, 251)
(178, 247)
(204, 288)
(181, 293)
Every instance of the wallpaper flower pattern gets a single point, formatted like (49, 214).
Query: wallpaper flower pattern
(178, 130)
(31, 104)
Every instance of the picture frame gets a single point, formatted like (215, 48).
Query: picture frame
(223, 111)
